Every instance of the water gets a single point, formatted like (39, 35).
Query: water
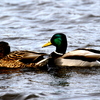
(27, 25)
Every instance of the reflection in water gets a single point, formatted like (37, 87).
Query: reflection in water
(9, 71)
(56, 81)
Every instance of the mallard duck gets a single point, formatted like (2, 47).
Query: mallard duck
(20, 59)
(82, 57)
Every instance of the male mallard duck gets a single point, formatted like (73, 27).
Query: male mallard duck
(20, 59)
(77, 58)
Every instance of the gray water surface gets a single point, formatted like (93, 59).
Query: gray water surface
(27, 25)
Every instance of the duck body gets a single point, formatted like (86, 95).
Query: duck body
(79, 58)
(20, 59)
(82, 57)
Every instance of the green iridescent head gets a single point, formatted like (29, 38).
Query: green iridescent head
(60, 41)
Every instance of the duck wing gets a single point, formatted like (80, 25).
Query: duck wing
(24, 55)
(83, 53)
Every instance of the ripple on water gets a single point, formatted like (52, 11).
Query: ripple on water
(25, 23)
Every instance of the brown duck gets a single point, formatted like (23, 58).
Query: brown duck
(20, 59)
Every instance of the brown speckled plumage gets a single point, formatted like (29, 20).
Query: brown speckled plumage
(21, 59)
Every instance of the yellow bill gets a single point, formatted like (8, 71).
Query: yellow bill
(47, 44)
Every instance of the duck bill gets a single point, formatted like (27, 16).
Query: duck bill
(47, 44)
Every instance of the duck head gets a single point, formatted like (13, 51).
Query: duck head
(59, 40)
(4, 49)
